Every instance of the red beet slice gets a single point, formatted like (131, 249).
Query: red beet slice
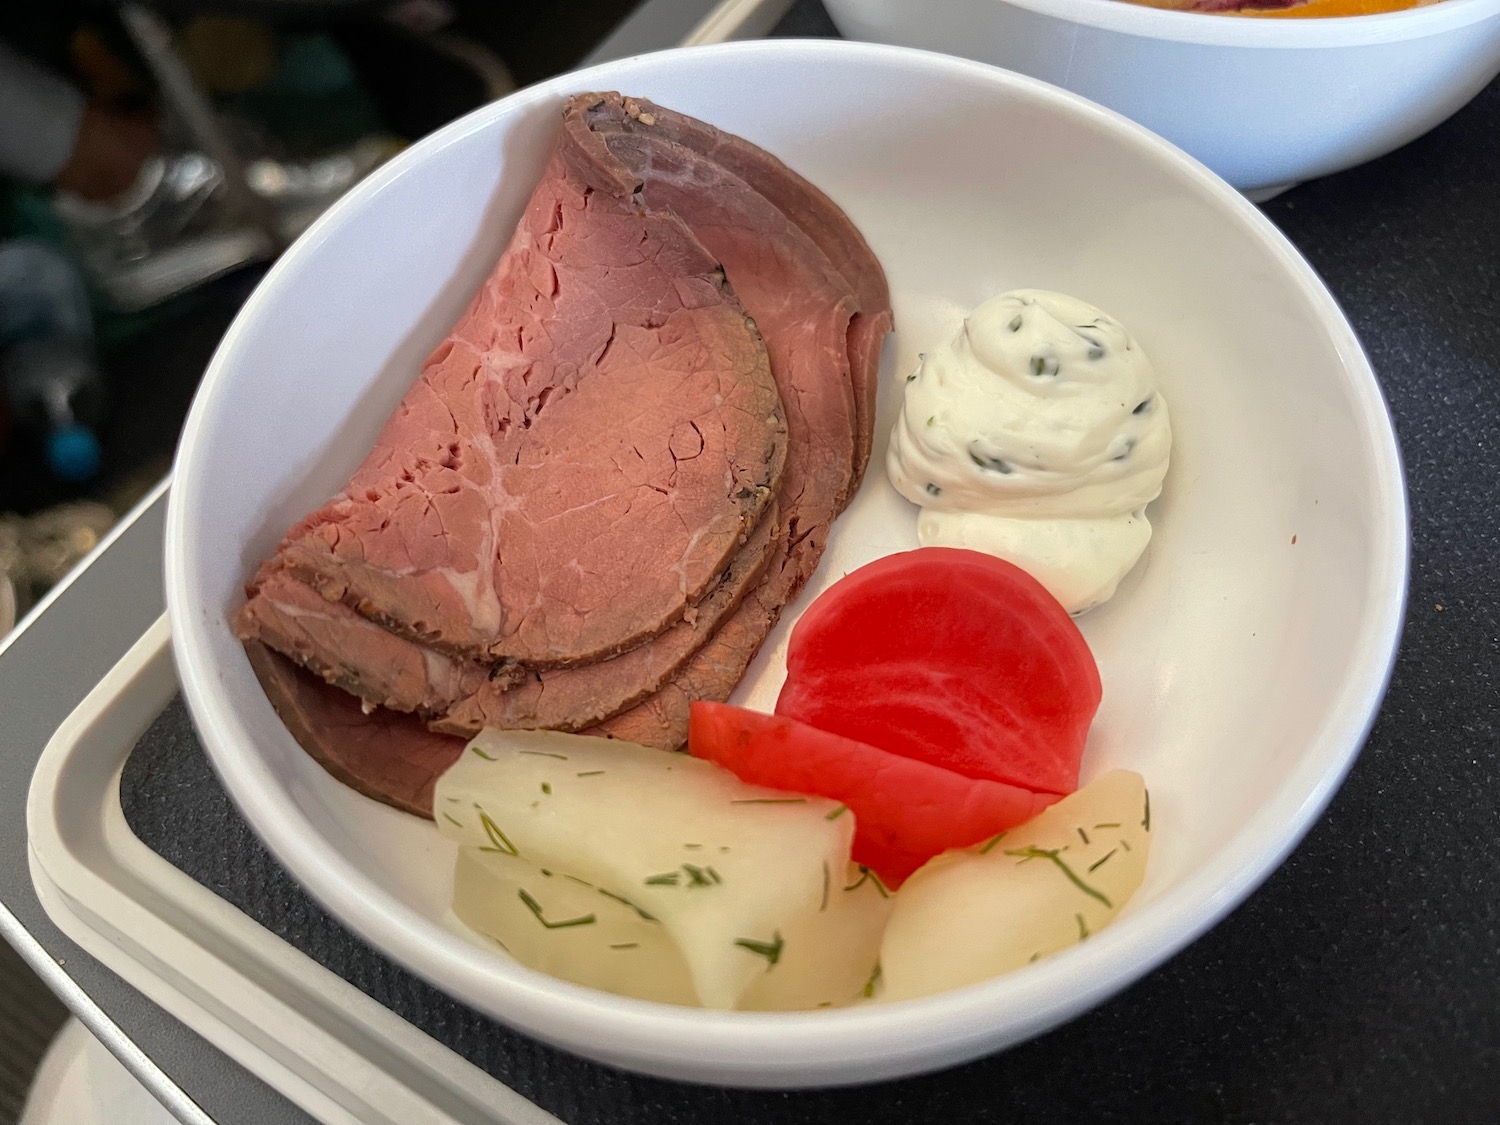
(905, 811)
(949, 657)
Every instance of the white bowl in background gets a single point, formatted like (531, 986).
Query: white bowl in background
(1242, 664)
(1265, 103)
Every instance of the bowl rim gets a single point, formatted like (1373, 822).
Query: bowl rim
(1248, 33)
(837, 1045)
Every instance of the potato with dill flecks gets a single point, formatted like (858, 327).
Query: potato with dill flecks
(656, 875)
(1057, 879)
(563, 925)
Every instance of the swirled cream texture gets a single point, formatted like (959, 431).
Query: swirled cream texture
(1038, 435)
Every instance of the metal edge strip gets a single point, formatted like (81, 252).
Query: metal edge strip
(93, 1017)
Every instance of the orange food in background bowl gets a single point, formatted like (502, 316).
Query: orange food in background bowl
(1298, 9)
(1329, 8)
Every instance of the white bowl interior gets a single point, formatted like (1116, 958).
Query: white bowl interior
(1241, 662)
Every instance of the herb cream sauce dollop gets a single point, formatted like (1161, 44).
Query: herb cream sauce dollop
(1037, 434)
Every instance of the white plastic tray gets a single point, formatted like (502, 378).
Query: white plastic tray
(329, 1048)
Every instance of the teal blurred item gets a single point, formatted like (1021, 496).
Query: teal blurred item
(49, 375)
(313, 102)
(73, 452)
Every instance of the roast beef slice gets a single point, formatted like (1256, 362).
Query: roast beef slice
(846, 281)
(392, 758)
(803, 306)
(575, 697)
(581, 456)
(808, 209)
(460, 696)
(350, 651)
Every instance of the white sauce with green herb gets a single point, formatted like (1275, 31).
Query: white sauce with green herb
(1036, 435)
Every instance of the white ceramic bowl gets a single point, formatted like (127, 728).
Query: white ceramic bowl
(1263, 102)
(1242, 663)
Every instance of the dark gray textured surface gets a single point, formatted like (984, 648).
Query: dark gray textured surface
(1363, 981)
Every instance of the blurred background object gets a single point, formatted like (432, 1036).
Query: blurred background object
(154, 158)
(48, 373)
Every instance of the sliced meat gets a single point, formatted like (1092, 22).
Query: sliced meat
(803, 307)
(579, 459)
(577, 696)
(820, 305)
(392, 758)
(661, 719)
(461, 697)
(352, 652)
(801, 304)
(809, 209)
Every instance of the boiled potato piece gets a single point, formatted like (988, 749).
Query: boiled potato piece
(746, 883)
(539, 920)
(816, 956)
(969, 915)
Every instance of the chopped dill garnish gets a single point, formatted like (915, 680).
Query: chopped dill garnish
(1034, 852)
(546, 788)
(1146, 820)
(1108, 824)
(836, 813)
(544, 754)
(500, 943)
(451, 819)
(1084, 836)
(627, 945)
(626, 902)
(770, 950)
(482, 754)
(1100, 861)
(1124, 843)
(824, 904)
(1034, 958)
(696, 877)
(990, 843)
(692, 845)
(771, 801)
(724, 847)
(590, 773)
(864, 874)
(825, 1004)
(1083, 929)
(451, 800)
(498, 839)
(868, 992)
(579, 881)
(536, 908)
